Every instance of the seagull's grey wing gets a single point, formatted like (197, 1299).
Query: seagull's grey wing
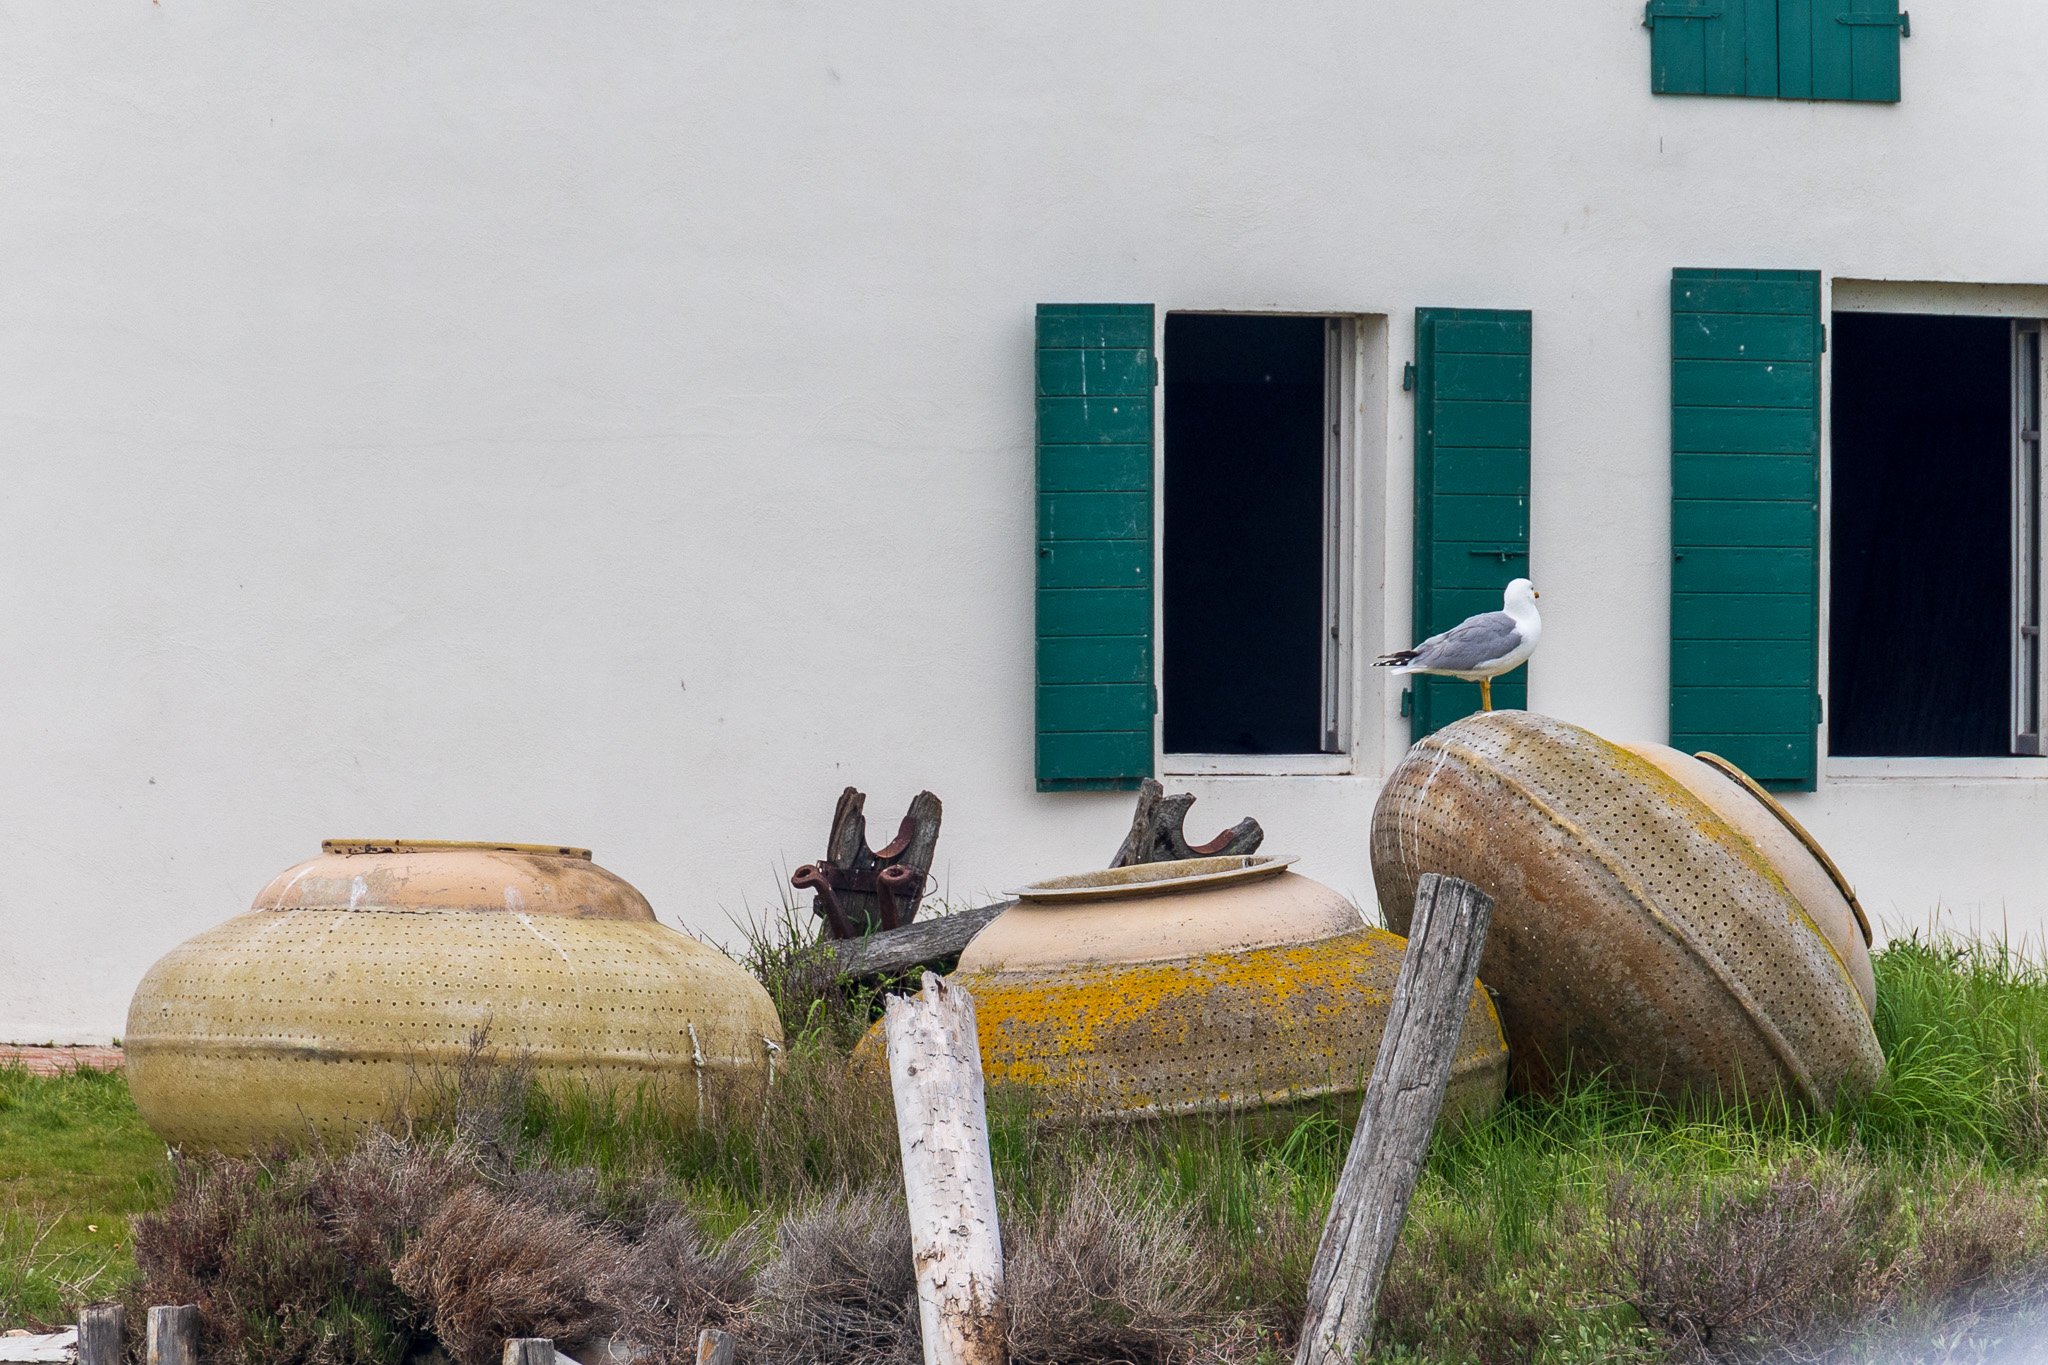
(1472, 643)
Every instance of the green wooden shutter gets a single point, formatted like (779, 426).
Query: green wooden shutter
(1471, 487)
(1095, 697)
(1745, 519)
(1840, 49)
(1713, 47)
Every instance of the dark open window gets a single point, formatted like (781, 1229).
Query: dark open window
(1249, 629)
(1935, 551)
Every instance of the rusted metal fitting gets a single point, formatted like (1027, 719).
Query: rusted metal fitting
(814, 877)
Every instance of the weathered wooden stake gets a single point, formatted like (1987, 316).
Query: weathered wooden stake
(102, 1333)
(1424, 1023)
(715, 1347)
(529, 1351)
(173, 1336)
(949, 1180)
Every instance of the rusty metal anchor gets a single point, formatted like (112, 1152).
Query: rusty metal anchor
(859, 890)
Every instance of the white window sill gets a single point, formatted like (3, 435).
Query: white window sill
(1256, 765)
(2017, 768)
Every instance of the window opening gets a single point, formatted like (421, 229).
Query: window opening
(1253, 562)
(1935, 542)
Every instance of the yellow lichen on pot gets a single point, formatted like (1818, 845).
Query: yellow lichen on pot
(1636, 930)
(1195, 987)
(372, 970)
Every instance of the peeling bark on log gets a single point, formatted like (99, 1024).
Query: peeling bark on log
(102, 1334)
(932, 943)
(173, 1336)
(948, 1178)
(1424, 1023)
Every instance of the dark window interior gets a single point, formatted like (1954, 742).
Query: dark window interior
(1918, 648)
(1242, 656)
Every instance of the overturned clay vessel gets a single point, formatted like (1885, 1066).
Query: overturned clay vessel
(1654, 918)
(374, 970)
(1197, 986)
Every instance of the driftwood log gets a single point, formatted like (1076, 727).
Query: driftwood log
(931, 943)
(1157, 834)
(859, 890)
(102, 1334)
(1402, 1101)
(949, 1177)
(173, 1337)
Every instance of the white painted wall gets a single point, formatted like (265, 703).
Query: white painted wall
(445, 420)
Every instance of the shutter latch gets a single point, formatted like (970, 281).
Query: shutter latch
(1408, 377)
(1407, 698)
(1901, 21)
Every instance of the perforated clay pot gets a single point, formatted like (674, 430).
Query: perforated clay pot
(375, 969)
(1637, 929)
(1194, 987)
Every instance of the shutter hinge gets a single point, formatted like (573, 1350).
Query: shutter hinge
(1823, 338)
(1408, 377)
(1155, 699)
(1901, 21)
(1407, 701)
(1155, 371)
(1820, 708)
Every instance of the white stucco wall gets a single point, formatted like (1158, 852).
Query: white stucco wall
(487, 419)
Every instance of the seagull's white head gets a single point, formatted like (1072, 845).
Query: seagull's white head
(1521, 593)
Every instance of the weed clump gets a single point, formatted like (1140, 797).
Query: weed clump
(841, 1287)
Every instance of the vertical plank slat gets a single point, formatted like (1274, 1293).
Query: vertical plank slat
(529, 1351)
(102, 1334)
(948, 1175)
(715, 1347)
(1424, 1024)
(173, 1337)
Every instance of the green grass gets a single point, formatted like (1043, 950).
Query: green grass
(1596, 1226)
(76, 1162)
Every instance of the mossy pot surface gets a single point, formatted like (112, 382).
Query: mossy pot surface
(1204, 986)
(1654, 919)
(363, 975)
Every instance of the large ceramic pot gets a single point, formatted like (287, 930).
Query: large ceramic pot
(1653, 918)
(375, 968)
(1196, 986)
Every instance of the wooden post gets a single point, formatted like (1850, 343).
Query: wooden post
(529, 1351)
(173, 1336)
(949, 1180)
(1424, 1023)
(715, 1347)
(102, 1334)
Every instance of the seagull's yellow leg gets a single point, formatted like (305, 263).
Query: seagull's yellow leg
(1486, 694)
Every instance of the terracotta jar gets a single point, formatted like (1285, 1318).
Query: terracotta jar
(1196, 986)
(359, 975)
(1657, 917)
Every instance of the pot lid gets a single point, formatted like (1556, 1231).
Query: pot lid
(423, 876)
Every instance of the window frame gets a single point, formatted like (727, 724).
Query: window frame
(1867, 294)
(1348, 378)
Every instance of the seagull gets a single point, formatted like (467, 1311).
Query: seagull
(1479, 648)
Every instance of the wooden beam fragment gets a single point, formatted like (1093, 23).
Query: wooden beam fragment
(948, 1177)
(1424, 1024)
(173, 1337)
